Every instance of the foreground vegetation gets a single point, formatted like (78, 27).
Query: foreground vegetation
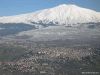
(42, 59)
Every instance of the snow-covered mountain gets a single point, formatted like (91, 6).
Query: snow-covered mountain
(59, 15)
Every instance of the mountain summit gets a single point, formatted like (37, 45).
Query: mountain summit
(59, 15)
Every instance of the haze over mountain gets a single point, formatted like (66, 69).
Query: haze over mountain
(59, 15)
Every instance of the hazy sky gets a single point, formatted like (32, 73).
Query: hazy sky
(14, 7)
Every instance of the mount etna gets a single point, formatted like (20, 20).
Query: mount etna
(63, 40)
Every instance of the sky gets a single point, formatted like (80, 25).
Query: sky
(15, 7)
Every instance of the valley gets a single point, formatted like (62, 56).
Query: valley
(47, 58)
(74, 52)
